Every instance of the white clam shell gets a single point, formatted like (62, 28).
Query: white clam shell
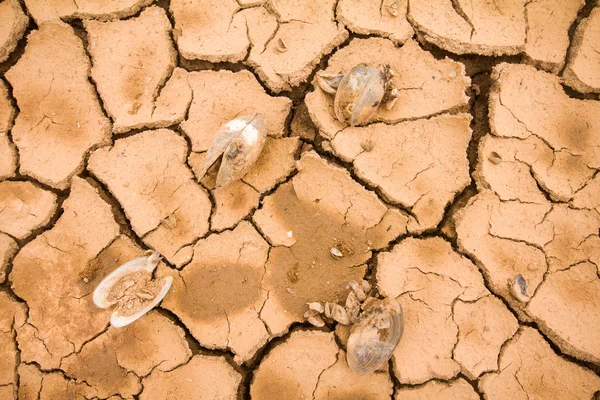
(238, 143)
(139, 264)
(374, 336)
(145, 264)
(119, 321)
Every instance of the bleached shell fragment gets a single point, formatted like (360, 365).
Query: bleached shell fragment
(147, 264)
(316, 321)
(119, 321)
(518, 288)
(336, 253)
(352, 306)
(329, 309)
(359, 94)
(316, 306)
(339, 314)
(374, 336)
(239, 142)
(360, 294)
(366, 286)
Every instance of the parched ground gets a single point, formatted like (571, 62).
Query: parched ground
(486, 168)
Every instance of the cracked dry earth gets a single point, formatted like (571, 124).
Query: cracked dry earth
(486, 168)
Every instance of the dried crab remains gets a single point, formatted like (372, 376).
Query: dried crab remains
(238, 144)
(376, 326)
(131, 289)
(360, 92)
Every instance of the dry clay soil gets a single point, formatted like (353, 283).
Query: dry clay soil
(486, 168)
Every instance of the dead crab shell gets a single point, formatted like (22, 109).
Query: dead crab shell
(238, 143)
(360, 92)
(142, 264)
(374, 336)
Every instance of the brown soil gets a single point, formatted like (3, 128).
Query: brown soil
(133, 292)
(486, 170)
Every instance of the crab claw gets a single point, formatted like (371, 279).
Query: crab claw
(238, 143)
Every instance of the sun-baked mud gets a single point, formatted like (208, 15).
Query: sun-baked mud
(133, 292)
(60, 117)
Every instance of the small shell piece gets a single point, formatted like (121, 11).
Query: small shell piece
(339, 314)
(336, 253)
(374, 336)
(238, 143)
(316, 306)
(359, 94)
(518, 288)
(392, 8)
(316, 320)
(358, 291)
(352, 306)
(103, 294)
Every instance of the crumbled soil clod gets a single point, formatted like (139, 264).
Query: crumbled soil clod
(134, 69)
(45, 275)
(24, 208)
(14, 23)
(583, 68)
(60, 117)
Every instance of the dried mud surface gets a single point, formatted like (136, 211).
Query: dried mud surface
(486, 168)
